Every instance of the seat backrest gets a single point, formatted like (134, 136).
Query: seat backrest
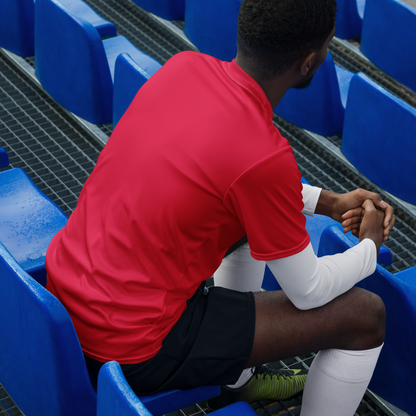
(83, 10)
(114, 395)
(378, 137)
(4, 158)
(168, 9)
(388, 38)
(17, 19)
(212, 26)
(28, 221)
(318, 108)
(393, 377)
(349, 19)
(129, 77)
(71, 62)
(41, 363)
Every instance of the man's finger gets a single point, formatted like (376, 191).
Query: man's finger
(356, 212)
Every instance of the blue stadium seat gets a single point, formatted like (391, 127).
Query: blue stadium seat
(129, 77)
(17, 18)
(393, 378)
(349, 19)
(28, 221)
(41, 362)
(319, 108)
(378, 137)
(115, 397)
(212, 26)
(168, 9)
(388, 38)
(315, 226)
(73, 63)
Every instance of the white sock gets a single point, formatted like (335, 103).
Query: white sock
(239, 271)
(337, 382)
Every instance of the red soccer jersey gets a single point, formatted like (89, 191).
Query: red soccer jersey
(193, 165)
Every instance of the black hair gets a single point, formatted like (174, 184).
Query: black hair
(273, 34)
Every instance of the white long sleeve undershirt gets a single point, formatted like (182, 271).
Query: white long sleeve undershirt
(310, 281)
(310, 196)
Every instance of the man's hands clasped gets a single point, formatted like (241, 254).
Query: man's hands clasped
(362, 212)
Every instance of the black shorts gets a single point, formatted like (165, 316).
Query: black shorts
(209, 345)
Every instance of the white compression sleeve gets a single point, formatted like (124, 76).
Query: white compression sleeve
(310, 196)
(337, 381)
(310, 282)
(239, 271)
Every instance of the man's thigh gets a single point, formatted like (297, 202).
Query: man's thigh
(209, 345)
(354, 320)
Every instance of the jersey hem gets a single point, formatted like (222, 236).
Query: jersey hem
(282, 254)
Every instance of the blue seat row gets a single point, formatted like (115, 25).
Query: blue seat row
(75, 52)
(17, 23)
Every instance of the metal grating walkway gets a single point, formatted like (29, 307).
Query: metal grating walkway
(59, 154)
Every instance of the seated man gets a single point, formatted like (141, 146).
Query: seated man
(193, 166)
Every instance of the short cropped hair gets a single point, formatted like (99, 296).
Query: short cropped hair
(273, 34)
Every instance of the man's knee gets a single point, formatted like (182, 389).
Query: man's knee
(371, 316)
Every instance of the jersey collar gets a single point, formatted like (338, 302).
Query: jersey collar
(241, 77)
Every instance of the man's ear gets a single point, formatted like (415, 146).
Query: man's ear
(306, 63)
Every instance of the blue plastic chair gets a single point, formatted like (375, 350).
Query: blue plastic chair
(28, 220)
(212, 26)
(378, 137)
(168, 9)
(349, 19)
(41, 362)
(17, 19)
(73, 63)
(129, 77)
(115, 397)
(393, 379)
(388, 38)
(319, 108)
(315, 226)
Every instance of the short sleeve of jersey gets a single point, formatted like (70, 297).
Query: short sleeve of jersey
(267, 199)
